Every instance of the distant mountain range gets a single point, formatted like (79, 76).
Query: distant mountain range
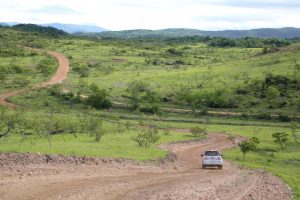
(287, 32)
(75, 28)
(69, 28)
(98, 32)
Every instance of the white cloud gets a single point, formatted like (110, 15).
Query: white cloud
(156, 14)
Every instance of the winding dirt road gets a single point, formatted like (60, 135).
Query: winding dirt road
(34, 177)
(121, 180)
(60, 75)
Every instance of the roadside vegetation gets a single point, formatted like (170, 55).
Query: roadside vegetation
(125, 97)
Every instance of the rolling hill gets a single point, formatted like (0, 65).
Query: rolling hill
(69, 28)
(75, 28)
(288, 32)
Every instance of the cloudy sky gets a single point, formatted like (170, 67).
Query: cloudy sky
(156, 14)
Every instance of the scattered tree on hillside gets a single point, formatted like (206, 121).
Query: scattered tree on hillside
(117, 122)
(280, 138)
(135, 89)
(7, 122)
(6, 128)
(294, 130)
(198, 131)
(98, 98)
(147, 136)
(95, 128)
(127, 125)
(248, 145)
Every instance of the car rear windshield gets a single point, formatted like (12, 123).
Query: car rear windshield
(212, 153)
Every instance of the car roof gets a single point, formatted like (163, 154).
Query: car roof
(211, 150)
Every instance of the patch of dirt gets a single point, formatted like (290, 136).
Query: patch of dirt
(119, 60)
(30, 176)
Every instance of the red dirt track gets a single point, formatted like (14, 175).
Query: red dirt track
(32, 177)
(114, 179)
(60, 75)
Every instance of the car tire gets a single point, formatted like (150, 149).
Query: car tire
(203, 166)
(220, 167)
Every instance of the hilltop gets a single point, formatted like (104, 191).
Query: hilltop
(288, 32)
(69, 28)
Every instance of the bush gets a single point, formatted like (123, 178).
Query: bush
(145, 139)
(175, 52)
(284, 118)
(46, 66)
(98, 98)
(198, 131)
(136, 89)
(280, 138)
(248, 145)
(150, 108)
(266, 116)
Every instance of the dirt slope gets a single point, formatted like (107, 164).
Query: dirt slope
(121, 180)
(60, 75)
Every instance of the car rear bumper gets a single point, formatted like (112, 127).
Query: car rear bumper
(212, 163)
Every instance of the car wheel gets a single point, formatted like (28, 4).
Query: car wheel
(203, 166)
(220, 167)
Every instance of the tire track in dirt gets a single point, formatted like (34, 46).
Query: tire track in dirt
(59, 76)
(184, 179)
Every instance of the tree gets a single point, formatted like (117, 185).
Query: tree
(8, 127)
(194, 101)
(197, 131)
(127, 126)
(95, 128)
(7, 122)
(151, 102)
(280, 138)
(135, 89)
(294, 130)
(2, 78)
(117, 122)
(272, 94)
(248, 145)
(182, 93)
(98, 98)
(147, 137)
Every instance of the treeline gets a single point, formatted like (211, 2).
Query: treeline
(246, 42)
(270, 92)
(43, 31)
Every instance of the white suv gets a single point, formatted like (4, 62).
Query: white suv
(212, 158)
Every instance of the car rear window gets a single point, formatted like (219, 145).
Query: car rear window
(212, 153)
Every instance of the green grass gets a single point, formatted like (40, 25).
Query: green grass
(206, 68)
(203, 69)
(112, 145)
(29, 71)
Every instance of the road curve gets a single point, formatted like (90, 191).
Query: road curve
(121, 180)
(59, 76)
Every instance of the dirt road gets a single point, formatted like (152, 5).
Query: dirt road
(33, 176)
(60, 75)
(120, 180)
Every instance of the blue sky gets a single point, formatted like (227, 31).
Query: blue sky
(156, 14)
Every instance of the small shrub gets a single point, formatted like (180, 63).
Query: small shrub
(146, 138)
(98, 98)
(284, 118)
(281, 138)
(248, 145)
(198, 131)
(263, 116)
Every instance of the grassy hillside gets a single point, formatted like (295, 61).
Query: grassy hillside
(119, 89)
(21, 66)
(172, 69)
(181, 32)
